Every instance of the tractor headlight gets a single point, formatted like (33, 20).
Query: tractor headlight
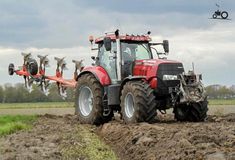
(170, 77)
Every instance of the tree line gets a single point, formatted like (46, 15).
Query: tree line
(220, 92)
(18, 93)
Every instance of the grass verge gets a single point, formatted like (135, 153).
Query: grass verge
(90, 146)
(10, 124)
(36, 105)
(221, 101)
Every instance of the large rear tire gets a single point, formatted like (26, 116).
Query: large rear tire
(194, 112)
(88, 100)
(138, 102)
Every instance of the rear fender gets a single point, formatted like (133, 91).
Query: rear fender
(99, 72)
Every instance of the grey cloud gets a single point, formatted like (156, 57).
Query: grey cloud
(61, 28)
(59, 24)
(155, 6)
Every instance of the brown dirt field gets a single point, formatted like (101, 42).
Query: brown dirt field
(41, 142)
(168, 139)
(165, 139)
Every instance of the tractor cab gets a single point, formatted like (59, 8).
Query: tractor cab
(118, 54)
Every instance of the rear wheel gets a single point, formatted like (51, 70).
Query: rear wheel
(88, 100)
(138, 102)
(214, 16)
(194, 112)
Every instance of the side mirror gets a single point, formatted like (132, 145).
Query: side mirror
(166, 46)
(107, 43)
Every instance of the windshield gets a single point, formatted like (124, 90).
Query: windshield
(135, 51)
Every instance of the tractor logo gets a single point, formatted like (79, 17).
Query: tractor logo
(218, 14)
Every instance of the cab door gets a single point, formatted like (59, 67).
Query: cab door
(107, 59)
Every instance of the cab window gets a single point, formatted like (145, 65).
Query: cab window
(107, 60)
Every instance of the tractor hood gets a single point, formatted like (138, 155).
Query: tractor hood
(152, 67)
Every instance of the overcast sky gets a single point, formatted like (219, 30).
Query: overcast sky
(61, 28)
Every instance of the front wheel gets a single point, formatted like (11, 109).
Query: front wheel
(224, 14)
(194, 112)
(88, 100)
(138, 102)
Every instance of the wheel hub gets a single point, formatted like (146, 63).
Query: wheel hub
(129, 105)
(85, 100)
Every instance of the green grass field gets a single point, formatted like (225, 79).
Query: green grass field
(222, 102)
(71, 104)
(11, 124)
(36, 105)
(90, 146)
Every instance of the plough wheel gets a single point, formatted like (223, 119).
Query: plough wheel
(32, 66)
(11, 69)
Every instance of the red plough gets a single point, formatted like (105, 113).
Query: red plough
(31, 73)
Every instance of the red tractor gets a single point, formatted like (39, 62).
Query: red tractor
(125, 78)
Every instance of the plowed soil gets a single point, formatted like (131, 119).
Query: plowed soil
(165, 139)
(168, 139)
(41, 142)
